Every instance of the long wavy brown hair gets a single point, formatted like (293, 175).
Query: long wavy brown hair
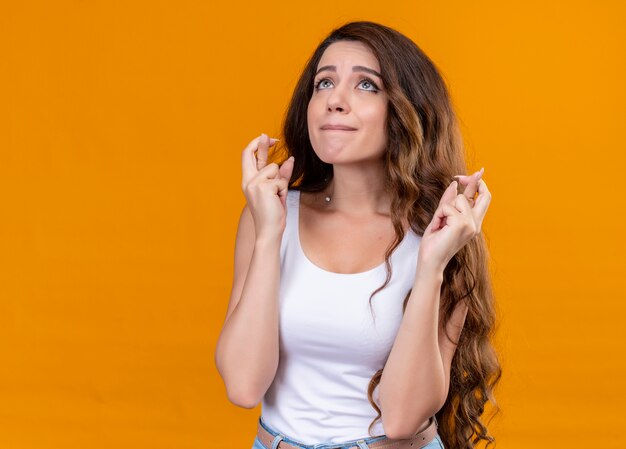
(425, 150)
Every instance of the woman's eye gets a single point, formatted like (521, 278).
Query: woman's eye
(320, 83)
(370, 86)
(374, 87)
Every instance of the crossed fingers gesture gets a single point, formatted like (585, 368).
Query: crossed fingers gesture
(457, 220)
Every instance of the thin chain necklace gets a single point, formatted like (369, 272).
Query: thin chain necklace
(328, 198)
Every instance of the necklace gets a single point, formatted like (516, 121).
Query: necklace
(328, 198)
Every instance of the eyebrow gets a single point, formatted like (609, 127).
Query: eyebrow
(356, 68)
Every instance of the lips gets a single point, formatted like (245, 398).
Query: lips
(336, 127)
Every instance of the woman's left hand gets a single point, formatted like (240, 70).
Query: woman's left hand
(457, 220)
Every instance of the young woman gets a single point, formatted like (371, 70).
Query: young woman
(361, 309)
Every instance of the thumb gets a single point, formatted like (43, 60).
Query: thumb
(286, 169)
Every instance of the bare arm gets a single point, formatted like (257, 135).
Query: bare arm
(246, 355)
(416, 378)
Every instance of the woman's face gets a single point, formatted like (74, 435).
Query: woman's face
(348, 93)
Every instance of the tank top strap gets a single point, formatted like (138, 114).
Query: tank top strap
(293, 198)
(292, 203)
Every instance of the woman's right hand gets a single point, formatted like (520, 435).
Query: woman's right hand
(265, 187)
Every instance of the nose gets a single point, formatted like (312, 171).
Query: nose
(336, 100)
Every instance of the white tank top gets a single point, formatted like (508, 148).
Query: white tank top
(330, 346)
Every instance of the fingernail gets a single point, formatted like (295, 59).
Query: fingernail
(274, 140)
(291, 158)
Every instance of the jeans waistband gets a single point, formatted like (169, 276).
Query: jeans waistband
(273, 439)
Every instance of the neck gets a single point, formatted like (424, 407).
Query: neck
(357, 188)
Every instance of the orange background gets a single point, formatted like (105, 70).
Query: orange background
(121, 131)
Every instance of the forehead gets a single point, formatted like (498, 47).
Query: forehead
(349, 53)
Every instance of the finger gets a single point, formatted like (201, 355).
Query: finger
(286, 169)
(450, 213)
(462, 204)
(270, 171)
(449, 210)
(263, 151)
(248, 161)
(471, 184)
(444, 212)
(482, 202)
(277, 186)
(282, 189)
(449, 194)
(465, 179)
(472, 187)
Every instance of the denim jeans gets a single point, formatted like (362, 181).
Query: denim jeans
(363, 443)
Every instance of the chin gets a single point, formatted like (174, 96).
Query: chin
(331, 154)
(344, 154)
(335, 158)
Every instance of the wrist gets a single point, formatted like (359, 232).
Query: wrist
(431, 271)
(268, 240)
